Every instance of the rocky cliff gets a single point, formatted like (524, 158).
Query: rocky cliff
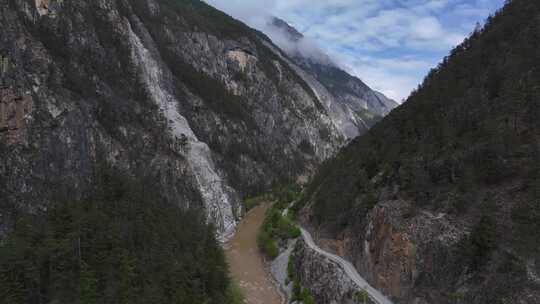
(325, 279)
(171, 89)
(354, 106)
(440, 201)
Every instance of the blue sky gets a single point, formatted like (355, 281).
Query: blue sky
(390, 44)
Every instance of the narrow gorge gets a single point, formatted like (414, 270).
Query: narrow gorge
(162, 151)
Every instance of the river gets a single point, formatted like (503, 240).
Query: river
(246, 263)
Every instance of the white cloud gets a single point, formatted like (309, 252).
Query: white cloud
(426, 28)
(393, 77)
(389, 44)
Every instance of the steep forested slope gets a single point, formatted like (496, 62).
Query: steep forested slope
(440, 202)
(125, 244)
(188, 108)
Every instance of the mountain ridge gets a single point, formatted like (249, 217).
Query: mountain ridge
(111, 109)
(438, 203)
(210, 87)
(355, 105)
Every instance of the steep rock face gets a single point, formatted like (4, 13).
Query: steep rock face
(174, 90)
(326, 280)
(396, 254)
(354, 106)
(440, 201)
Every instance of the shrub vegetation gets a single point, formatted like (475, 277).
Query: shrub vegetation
(276, 226)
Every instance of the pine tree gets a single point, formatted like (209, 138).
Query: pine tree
(88, 285)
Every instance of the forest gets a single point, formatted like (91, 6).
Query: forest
(124, 245)
(470, 127)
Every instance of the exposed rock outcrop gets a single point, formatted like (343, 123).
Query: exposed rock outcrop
(326, 280)
(279, 269)
(353, 106)
(398, 247)
(15, 110)
(175, 91)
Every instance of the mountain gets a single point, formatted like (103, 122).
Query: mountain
(440, 201)
(355, 106)
(129, 130)
(174, 89)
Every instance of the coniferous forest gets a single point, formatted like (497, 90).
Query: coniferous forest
(465, 144)
(124, 245)
(473, 122)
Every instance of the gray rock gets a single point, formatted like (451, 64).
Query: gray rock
(325, 279)
(201, 107)
(353, 106)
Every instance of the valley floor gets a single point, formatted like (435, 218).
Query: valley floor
(246, 262)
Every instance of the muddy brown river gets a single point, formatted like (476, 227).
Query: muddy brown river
(246, 263)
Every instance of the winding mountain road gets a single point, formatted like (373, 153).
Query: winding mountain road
(349, 269)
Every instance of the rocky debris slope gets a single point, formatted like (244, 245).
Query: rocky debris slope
(169, 89)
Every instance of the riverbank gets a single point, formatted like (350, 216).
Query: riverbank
(246, 262)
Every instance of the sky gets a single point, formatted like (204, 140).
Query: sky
(389, 44)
